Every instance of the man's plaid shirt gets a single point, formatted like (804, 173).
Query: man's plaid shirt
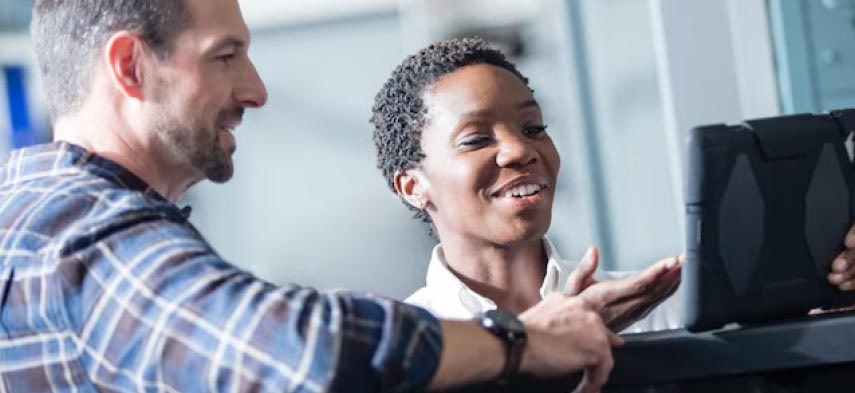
(105, 286)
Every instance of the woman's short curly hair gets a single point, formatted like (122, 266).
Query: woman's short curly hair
(399, 111)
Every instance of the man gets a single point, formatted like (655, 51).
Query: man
(105, 285)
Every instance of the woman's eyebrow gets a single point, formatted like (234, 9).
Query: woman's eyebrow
(477, 113)
(486, 112)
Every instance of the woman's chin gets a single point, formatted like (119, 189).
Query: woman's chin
(521, 232)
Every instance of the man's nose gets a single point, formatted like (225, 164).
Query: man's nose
(251, 92)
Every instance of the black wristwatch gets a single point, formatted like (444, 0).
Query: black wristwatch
(511, 331)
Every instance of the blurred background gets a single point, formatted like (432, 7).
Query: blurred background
(621, 83)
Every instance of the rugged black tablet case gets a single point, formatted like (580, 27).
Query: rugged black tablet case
(768, 204)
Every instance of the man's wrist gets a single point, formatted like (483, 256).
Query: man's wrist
(511, 332)
(470, 354)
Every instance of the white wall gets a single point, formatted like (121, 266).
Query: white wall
(652, 70)
(272, 13)
(641, 208)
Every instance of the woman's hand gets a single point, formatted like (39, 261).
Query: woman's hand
(842, 273)
(624, 300)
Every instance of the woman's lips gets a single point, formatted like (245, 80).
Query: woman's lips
(522, 202)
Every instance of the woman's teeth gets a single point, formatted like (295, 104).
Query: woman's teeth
(523, 191)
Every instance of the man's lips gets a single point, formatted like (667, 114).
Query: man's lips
(231, 119)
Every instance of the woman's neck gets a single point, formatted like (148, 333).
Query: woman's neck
(511, 276)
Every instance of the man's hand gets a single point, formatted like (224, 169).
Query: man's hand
(625, 300)
(843, 267)
(566, 334)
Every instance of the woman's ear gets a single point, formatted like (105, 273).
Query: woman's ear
(411, 185)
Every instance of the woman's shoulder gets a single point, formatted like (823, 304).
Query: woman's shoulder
(421, 297)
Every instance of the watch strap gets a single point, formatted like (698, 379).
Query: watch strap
(511, 332)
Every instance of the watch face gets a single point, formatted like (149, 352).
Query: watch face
(506, 320)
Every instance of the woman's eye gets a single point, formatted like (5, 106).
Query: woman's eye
(473, 140)
(534, 130)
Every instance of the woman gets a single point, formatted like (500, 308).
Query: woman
(461, 139)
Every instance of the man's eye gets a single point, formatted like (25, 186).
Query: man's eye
(226, 58)
(534, 130)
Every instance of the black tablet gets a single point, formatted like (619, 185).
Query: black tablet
(768, 204)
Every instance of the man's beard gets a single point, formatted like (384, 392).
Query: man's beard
(200, 144)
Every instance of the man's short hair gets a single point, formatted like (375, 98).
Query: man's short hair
(399, 113)
(68, 36)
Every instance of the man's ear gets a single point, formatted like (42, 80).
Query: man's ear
(125, 55)
(411, 185)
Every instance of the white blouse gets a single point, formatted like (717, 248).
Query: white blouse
(448, 297)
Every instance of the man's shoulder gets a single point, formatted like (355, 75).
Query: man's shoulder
(72, 209)
(62, 174)
(76, 190)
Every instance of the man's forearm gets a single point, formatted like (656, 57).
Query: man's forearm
(470, 354)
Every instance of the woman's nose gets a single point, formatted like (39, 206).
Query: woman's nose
(515, 151)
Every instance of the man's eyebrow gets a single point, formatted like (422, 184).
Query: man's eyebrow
(227, 42)
(528, 103)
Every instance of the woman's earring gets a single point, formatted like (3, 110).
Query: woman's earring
(418, 203)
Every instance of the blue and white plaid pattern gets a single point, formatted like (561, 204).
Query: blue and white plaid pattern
(105, 286)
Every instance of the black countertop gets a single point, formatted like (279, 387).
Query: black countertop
(663, 357)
